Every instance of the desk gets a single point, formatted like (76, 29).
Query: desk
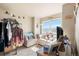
(40, 52)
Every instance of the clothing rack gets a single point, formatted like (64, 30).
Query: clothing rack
(12, 21)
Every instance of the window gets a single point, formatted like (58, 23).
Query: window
(50, 25)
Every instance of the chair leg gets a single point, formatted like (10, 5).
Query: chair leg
(57, 53)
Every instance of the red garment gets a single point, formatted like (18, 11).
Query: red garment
(17, 36)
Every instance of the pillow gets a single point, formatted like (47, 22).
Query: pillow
(46, 49)
(30, 35)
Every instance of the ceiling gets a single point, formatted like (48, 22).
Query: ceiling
(33, 9)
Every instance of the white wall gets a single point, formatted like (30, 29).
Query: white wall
(2, 14)
(36, 22)
(77, 30)
(26, 23)
(68, 21)
(34, 9)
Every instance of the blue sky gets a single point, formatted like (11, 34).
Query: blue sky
(52, 23)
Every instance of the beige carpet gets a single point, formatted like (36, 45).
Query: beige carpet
(31, 51)
(23, 52)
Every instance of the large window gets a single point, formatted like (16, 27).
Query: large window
(50, 25)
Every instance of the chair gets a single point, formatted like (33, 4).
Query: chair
(54, 50)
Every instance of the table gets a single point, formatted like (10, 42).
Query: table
(40, 52)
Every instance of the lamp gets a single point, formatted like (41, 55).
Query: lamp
(23, 17)
(19, 17)
(13, 15)
(6, 12)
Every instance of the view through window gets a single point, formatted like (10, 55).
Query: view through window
(51, 24)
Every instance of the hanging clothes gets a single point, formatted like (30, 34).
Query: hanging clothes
(17, 37)
(9, 30)
(6, 40)
(1, 39)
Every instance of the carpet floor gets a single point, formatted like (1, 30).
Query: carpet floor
(23, 51)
